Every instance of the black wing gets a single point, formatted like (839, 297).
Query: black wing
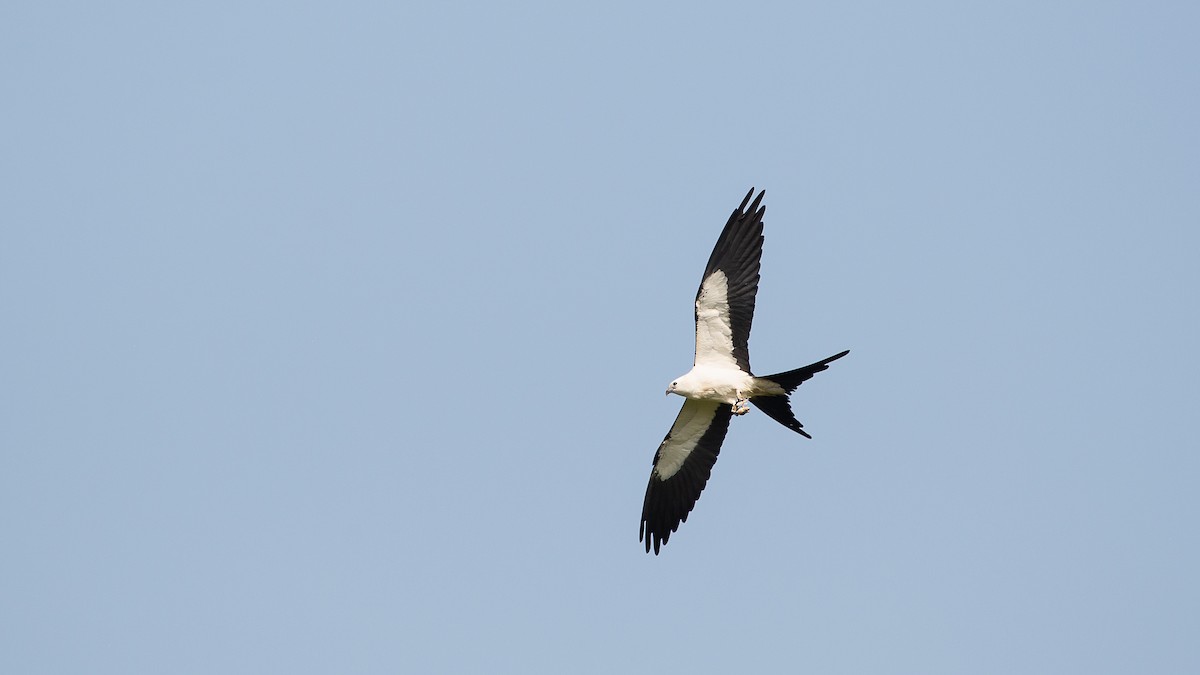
(725, 302)
(682, 465)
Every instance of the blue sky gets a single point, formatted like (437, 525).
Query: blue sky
(335, 336)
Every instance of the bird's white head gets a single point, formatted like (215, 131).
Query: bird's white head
(680, 385)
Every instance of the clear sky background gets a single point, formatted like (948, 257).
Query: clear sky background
(335, 336)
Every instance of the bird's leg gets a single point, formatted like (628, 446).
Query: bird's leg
(740, 406)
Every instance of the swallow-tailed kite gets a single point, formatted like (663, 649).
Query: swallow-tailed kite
(720, 383)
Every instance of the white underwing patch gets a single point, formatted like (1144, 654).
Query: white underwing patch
(714, 332)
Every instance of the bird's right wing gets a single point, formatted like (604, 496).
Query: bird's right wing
(682, 465)
(725, 300)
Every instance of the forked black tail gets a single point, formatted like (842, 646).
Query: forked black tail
(779, 408)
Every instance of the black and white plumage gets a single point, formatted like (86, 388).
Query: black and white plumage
(720, 384)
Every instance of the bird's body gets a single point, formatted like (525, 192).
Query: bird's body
(720, 383)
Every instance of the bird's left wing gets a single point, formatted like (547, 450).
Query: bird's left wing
(682, 465)
(725, 300)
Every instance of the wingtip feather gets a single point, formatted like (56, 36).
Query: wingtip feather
(755, 206)
(745, 201)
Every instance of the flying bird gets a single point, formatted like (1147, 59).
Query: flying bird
(720, 383)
